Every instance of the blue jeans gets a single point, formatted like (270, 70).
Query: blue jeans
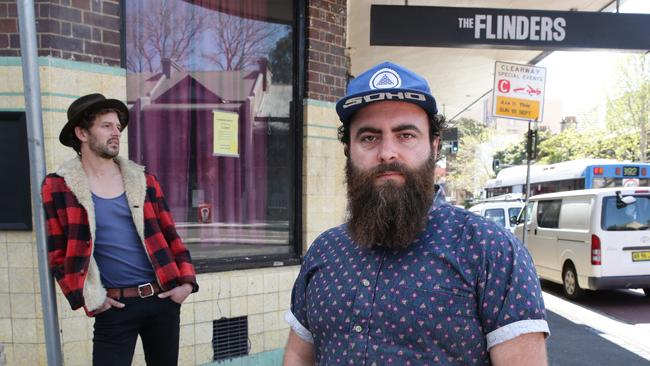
(155, 320)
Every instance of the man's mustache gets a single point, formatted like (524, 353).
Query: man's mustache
(389, 167)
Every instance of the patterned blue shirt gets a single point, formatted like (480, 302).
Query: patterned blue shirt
(464, 285)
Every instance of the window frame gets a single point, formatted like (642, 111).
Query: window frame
(295, 207)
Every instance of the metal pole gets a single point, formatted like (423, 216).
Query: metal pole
(32, 87)
(529, 147)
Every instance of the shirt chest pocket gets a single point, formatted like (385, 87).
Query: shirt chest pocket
(427, 301)
(434, 320)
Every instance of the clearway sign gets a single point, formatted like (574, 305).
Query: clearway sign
(518, 91)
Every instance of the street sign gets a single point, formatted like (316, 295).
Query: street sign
(518, 91)
(631, 182)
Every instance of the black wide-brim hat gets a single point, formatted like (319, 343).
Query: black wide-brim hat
(90, 102)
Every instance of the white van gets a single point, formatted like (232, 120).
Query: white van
(503, 211)
(590, 239)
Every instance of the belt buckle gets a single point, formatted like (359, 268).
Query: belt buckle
(145, 286)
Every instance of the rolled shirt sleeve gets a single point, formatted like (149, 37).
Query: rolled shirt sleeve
(297, 316)
(509, 291)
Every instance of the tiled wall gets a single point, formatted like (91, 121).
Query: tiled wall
(21, 325)
(62, 82)
(323, 159)
(323, 170)
(261, 294)
(21, 318)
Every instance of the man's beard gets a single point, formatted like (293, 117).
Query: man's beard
(388, 215)
(103, 151)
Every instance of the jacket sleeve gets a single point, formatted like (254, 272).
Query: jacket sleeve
(56, 240)
(168, 227)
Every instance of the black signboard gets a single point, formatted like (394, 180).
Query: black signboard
(15, 193)
(392, 25)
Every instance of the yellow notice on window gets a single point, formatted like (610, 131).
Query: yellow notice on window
(225, 133)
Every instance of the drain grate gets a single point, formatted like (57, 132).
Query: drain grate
(230, 337)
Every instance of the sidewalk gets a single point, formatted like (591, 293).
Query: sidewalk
(580, 336)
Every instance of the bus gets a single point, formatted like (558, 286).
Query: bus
(568, 176)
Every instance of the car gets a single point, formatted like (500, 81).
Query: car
(591, 239)
(501, 209)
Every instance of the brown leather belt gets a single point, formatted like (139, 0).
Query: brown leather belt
(142, 291)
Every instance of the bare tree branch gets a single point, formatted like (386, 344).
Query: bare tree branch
(240, 42)
(162, 31)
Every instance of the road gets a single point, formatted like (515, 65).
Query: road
(602, 328)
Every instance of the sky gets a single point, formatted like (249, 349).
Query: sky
(582, 80)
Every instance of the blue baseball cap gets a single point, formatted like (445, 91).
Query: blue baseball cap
(386, 81)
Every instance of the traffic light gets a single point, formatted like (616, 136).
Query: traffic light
(496, 164)
(531, 145)
(454, 147)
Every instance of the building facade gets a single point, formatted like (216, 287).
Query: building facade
(232, 108)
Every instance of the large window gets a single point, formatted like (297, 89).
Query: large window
(210, 87)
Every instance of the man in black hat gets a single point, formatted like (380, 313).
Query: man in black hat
(112, 243)
(406, 280)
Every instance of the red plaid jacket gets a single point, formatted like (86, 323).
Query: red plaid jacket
(70, 215)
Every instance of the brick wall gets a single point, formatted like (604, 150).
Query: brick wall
(82, 30)
(327, 63)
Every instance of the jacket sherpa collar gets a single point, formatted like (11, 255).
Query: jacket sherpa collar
(135, 185)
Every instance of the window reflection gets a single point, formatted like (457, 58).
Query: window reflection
(209, 86)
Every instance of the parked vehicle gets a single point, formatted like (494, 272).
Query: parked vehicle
(590, 239)
(502, 209)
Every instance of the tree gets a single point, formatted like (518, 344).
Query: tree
(571, 144)
(159, 30)
(630, 112)
(612, 145)
(471, 127)
(467, 171)
(516, 154)
(281, 60)
(239, 42)
(564, 146)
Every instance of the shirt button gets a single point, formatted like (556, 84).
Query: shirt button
(365, 282)
(357, 328)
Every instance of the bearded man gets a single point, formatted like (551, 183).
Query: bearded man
(404, 281)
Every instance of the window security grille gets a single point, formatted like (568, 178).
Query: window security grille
(230, 337)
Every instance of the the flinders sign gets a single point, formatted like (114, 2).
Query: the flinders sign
(392, 25)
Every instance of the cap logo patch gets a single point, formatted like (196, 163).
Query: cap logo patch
(379, 96)
(385, 79)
